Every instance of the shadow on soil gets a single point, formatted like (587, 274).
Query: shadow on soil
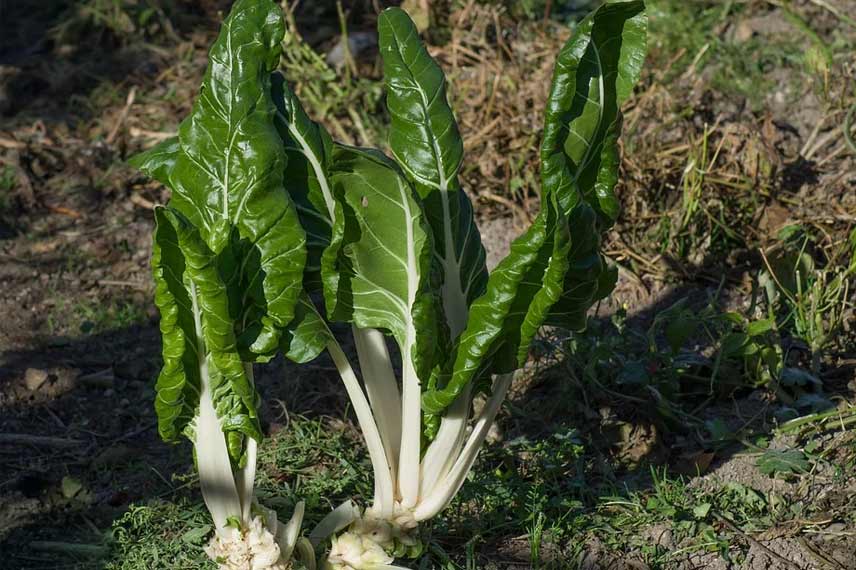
(79, 442)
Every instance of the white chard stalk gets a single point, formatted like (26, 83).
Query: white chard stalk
(248, 536)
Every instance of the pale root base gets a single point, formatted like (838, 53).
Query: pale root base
(254, 548)
(369, 540)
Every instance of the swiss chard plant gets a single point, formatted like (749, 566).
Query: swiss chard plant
(228, 260)
(395, 252)
(275, 232)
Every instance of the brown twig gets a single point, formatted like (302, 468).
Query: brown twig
(155, 135)
(510, 204)
(71, 213)
(38, 440)
(132, 94)
(142, 202)
(11, 143)
(735, 529)
(115, 283)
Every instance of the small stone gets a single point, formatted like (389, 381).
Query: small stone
(34, 378)
(835, 529)
(743, 32)
(494, 434)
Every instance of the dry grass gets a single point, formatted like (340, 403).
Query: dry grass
(499, 71)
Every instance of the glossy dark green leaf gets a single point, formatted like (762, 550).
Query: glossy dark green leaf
(178, 384)
(555, 271)
(594, 74)
(199, 343)
(579, 266)
(159, 161)
(307, 335)
(496, 333)
(227, 175)
(309, 149)
(425, 141)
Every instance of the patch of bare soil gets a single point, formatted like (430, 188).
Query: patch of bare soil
(79, 345)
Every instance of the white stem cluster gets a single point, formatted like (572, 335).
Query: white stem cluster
(407, 489)
(264, 544)
(367, 543)
(247, 535)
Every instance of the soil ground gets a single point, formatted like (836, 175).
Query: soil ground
(738, 130)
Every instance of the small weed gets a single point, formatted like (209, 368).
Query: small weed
(702, 38)
(97, 318)
(161, 534)
(700, 225)
(563, 10)
(7, 179)
(314, 463)
(686, 358)
(810, 297)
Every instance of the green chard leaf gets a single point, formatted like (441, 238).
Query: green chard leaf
(179, 381)
(307, 176)
(309, 149)
(426, 143)
(495, 334)
(555, 271)
(199, 343)
(159, 161)
(307, 335)
(385, 258)
(594, 74)
(227, 173)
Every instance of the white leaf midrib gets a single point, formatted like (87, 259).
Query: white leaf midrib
(454, 295)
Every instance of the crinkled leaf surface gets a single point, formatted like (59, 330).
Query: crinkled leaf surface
(555, 271)
(178, 384)
(309, 149)
(426, 143)
(226, 174)
(594, 74)
(199, 344)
